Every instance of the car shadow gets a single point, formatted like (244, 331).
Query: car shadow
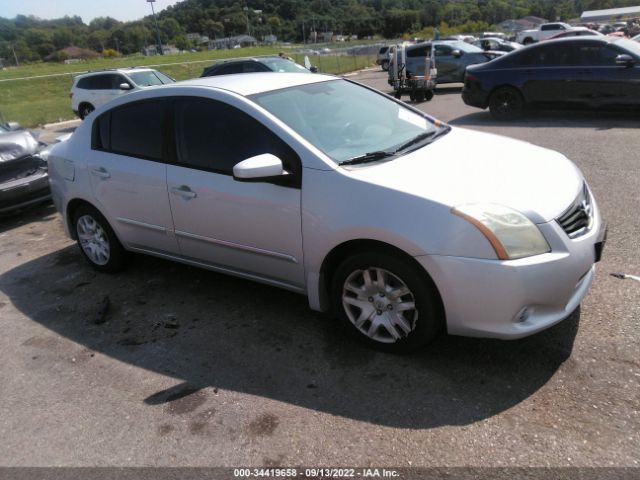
(448, 90)
(211, 330)
(598, 120)
(42, 212)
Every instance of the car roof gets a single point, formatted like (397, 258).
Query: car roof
(580, 39)
(115, 70)
(246, 84)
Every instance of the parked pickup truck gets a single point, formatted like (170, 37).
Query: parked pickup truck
(545, 30)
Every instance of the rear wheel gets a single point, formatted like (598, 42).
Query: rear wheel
(85, 109)
(386, 301)
(506, 103)
(527, 41)
(97, 241)
(428, 95)
(419, 96)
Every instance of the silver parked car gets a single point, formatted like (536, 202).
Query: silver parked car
(400, 225)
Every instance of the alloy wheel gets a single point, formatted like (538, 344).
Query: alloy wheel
(379, 304)
(93, 240)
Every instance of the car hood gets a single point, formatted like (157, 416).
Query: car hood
(17, 144)
(464, 167)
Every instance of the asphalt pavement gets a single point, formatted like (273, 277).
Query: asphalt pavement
(185, 367)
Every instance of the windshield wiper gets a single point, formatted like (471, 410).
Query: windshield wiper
(368, 157)
(420, 138)
(414, 140)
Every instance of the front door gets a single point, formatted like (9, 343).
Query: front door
(251, 228)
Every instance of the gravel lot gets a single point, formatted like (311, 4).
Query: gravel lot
(192, 368)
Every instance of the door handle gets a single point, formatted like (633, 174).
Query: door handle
(184, 191)
(101, 172)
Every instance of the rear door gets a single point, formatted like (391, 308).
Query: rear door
(129, 176)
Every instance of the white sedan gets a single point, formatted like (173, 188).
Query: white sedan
(398, 224)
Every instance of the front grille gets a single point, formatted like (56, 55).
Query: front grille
(577, 219)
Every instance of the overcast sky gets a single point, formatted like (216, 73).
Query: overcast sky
(86, 9)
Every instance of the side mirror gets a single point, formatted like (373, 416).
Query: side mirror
(313, 69)
(456, 53)
(260, 167)
(125, 86)
(625, 60)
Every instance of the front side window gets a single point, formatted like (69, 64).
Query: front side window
(215, 136)
(420, 52)
(346, 120)
(443, 50)
(597, 54)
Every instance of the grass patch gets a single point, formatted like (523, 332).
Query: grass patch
(38, 101)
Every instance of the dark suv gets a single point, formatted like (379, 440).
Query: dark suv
(251, 65)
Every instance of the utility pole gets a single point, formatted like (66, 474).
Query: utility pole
(157, 28)
(246, 13)
(14, 55)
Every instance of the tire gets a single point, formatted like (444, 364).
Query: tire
(398, 94)
(428, 95)
(385, 65)
(371, 312)
(85, 109)
(527, 41)
(506, 103)
(419, 96)
(97, 241)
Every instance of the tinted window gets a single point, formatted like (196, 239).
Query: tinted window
(553, 26)
(215, 136)
(419, 52)
(597, 54)
(137, 130)
(548, 55)
(100, 133)
(443, 50)
(251, 67)
(84, 83)
(229, 69)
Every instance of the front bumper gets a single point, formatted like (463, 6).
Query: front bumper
(515, 298)
(24, 192)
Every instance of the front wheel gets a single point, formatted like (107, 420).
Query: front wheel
(97, 241)
(506, 103)
(387, 302)
(385, 65)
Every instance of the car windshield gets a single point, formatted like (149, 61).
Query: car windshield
(465, 47)
(630, 45)
(149, 78)
(281, 65)
(346, 120)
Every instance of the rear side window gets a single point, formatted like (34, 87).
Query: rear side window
(135, 130)
(215, 136)
(84, 83)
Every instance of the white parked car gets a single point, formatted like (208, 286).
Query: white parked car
(543, 32)
(93, 89)
(400, 225)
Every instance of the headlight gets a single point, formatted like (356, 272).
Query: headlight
(511, 234)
